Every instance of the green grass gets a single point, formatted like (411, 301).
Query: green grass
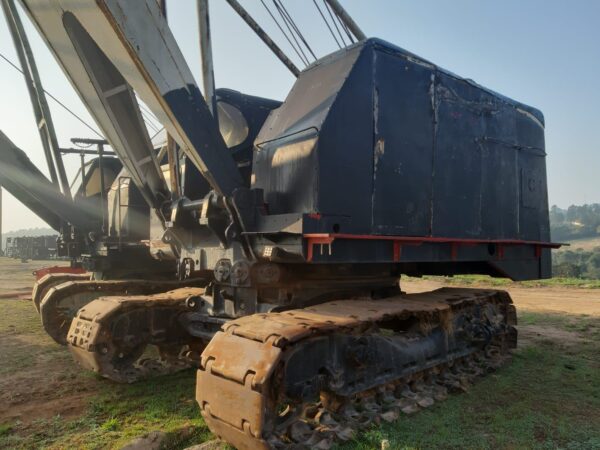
(23, 342)
(504, 282)
(547, 397)
(5, 429)
(584, 325)
(119, 413)
(128, 411)
(113, 415)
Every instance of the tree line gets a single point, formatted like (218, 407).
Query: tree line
(575, 222)
(567, 225)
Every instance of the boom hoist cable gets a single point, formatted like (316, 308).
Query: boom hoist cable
(61, 104)
(335, 23)
(297, 51)
(327, 23)
(343, 25)
(291, 25)
(339, 24)
(239, 9)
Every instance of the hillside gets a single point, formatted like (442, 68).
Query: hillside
(586, 244)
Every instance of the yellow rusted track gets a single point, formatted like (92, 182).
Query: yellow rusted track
(238, 384)
(110, 335)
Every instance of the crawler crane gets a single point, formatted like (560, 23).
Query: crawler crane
(378, 163)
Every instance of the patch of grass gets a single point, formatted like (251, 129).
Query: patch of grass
(534, 402)
(23, 341)
(111, 424)
(5, 429)
(491, 281)
(120, 413)
(586, 326)
(114, 415)
(125, 412)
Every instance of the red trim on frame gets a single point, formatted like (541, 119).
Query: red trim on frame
(57, 269)
(398, 241)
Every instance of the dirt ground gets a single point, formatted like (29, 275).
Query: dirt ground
(561, 301)
(39, 381)
(37, 378)
(554, 299)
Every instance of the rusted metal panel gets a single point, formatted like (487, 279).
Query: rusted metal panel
(235, 436)
(110, 334)
(281, 328)
(40, 273)
(44, 283)
(253, 358)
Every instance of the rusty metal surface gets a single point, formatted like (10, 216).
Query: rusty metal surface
(110, 335)
(50, 280)
(62, 300)
(237, 378)
(291, 326)
(40, 273)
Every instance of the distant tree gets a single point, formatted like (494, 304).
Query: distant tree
(577, 263)
(566, 270)
(557, 215)
(594, 261)
(576, 222)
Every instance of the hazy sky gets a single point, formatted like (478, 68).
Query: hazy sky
(543, 53)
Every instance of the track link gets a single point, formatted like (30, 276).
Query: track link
(62, 300)
(305, 378)
(111, 335)
(47, 282)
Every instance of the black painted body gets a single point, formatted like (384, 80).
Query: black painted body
(376, 141)
(393, 145)
(255, 111)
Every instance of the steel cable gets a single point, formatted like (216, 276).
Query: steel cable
(55, 99)
(283, 32)
(327, 23)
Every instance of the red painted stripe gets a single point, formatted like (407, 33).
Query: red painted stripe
(330, 237)
(327, 239)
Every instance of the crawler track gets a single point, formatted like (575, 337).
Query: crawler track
(47, 282)
(112, 335)
(62, 300)
(305, 378)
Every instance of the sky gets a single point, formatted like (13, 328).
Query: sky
(545, 53)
